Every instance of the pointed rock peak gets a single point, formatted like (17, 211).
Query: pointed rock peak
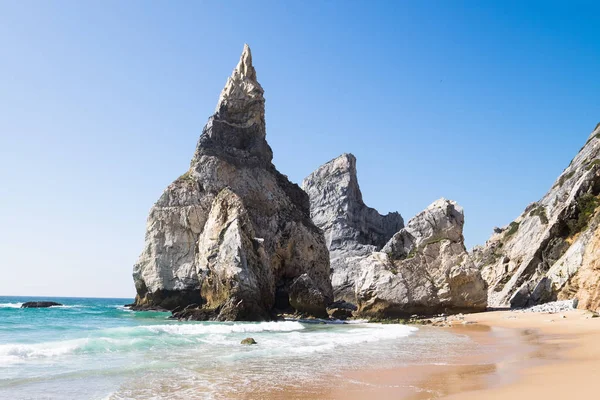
(242, 102)
(345, 163)
(346, 159)
(245, 66)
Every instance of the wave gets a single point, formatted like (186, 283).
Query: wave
(11, 305)
(198, 329)
(17, 352)
(365, 334)
(278, 338)
(132, 338)
(18, 305)
(71, 306)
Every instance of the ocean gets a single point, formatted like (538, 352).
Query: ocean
(94, 348)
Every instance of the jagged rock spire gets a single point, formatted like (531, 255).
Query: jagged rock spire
(351, 228)
(233, 234)
(245, 66)
(242, 101)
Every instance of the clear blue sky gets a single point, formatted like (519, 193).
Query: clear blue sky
(101, 105)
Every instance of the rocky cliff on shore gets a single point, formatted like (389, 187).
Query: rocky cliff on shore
(386, 269)
(233, 239)
(551, 251)
(231, 236)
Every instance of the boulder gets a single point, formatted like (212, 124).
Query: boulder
(248, 341)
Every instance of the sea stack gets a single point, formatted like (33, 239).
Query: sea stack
(384, 268)
(232, 235)
(351, 228)
(551, 251)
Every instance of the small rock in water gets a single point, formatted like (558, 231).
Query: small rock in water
(249, 340)
(40, 304)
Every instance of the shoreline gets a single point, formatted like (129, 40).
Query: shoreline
(525, 354)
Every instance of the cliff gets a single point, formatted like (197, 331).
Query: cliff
(549, 252)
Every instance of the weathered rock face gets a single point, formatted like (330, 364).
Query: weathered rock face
(306, 297)
(232, 231)
(423, 269)
(549, 251)
(583, 283)
(351, 228)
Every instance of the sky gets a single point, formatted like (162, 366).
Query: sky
(102, 102)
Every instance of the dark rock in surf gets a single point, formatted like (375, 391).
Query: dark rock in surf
(40, 304)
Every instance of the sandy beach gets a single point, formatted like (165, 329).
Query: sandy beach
(527, 355)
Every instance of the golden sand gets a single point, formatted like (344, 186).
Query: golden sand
(534, 355)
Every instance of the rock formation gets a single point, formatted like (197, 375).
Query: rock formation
(232, 234)
(387, 269)
(351, 228)
(423, 269)
(551, 251)
(40, 304)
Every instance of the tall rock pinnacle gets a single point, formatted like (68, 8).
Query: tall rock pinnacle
(351, 228)
(233, 235)
(237, 129)
(242, 101)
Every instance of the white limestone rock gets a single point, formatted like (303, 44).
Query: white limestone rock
(423, 269)
(537, 257)
(351, 228)
(183, 256)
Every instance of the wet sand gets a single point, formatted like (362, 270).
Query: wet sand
(525, 355)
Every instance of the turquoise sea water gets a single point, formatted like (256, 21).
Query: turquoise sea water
(97, 349)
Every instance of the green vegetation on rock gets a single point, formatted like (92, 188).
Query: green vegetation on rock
(593, 164)
(512, 228)
(565, 177)
(586, 206)
(412, 253)
(187, 177)
(540, 211)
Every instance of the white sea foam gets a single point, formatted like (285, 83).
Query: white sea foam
(71, 306)
(11, 305)
(278, 338)
(322, 342)
(199, 329)
(18, 305)
(10, 353)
